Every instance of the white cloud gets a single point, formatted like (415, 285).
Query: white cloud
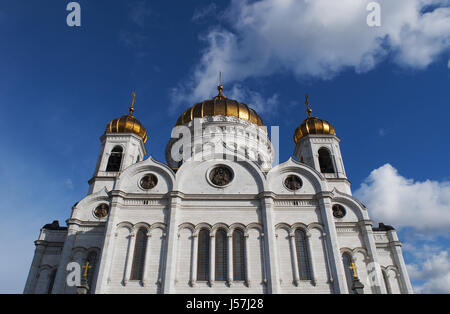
(317, 38)
(434, 271)
(403, 202)
(255, 100)
(202, 12)
(69, 183)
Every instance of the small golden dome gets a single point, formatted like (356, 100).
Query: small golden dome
(127, 124)
(312, 125)
(220, 105)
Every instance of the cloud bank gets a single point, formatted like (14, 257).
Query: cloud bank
(396, 200)
(318, 39)
(423, 208)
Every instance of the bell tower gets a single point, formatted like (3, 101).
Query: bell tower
(318, 147)
(123, 144)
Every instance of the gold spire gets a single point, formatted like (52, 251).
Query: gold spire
(309, 110)
(220, 88)
(131, 109)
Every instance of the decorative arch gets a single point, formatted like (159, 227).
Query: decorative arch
(202, 225)
(218, 226)
(293, 166)
(237, 226)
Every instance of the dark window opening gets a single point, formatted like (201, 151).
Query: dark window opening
(137, 269)
(304, 267)
(115, 159)
(325, 161)
(203, 256)
(238, 255)
(221, 255)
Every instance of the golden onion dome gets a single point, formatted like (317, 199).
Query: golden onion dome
(312, 125)
(127, 124)
(220, 105)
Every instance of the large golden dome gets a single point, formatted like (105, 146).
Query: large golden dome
(312, 125)
(127, 124)
(220, 105)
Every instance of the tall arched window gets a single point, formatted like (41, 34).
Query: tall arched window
(115, 159)
(137, 268)
(238, 255)
(92, 259)
(347, 261)
(221, 255)
(203, 256)
(325, 161)
(304, 267)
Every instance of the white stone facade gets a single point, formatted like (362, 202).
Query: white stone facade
(185, 201)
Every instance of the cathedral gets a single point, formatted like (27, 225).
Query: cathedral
(218, 217)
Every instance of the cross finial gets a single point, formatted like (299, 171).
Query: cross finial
(353, 268)
(308, 111)
(86, 268)
(132, 104)
(220, 88)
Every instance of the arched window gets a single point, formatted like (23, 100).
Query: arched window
(238, 255)
(115, 159)
(137, 268)
(92, 259)
(51, 281)
(325, 162)
(221, 255)
(304, 267)
(203, 256)
(347, 261)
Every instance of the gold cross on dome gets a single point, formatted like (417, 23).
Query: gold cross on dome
(353, 268)
(132, 103)
(86, 268)
(308, 111)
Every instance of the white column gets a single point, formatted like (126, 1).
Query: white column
(340, 282)
(171, 245)
(247, 262)
(311, 259)
(130, 253)
(146, 260)
(294, 258)
(194, 261)
(212, 259)
(109, 247)
(66, 254)
(230, 259)
(327, 255)
(375, 275)
(270, 252)
(396, 250)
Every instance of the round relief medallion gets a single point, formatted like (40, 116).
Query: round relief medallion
(221, 176)
(339, 211)
(149, 181)
(293, 182)
(101, 211)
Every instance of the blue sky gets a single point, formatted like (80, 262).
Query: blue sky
(385, 90)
